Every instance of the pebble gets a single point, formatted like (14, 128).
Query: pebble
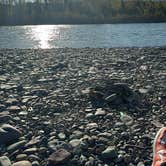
(100, 112)
(20, 157)
(35, 163)
(5, 118)
(62, 136)
(4, 161)
(109, 153)
(91, 125)
(140, 164)
(8, 134)
(22, 163)
(31, 150)
(15, 146)
(75, 142)
(58, 157)
(13, 108)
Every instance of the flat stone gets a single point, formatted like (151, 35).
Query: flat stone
(91, 125)
(21, 157)
(90, 116)
(16, 146)
(22, 163)
(58, 157)
(28, 98)
(143, 91)
(100, 112)
(75, 142)
(61, 136)
(23, 113)
(31, 150)
(4, 161)
(105, 135)
(11, 101)
(6, 87)
(77, 134)
(88, 110)
(13, 108)
(4, 113)
(8, 134)
(3, 78)
(109, 153)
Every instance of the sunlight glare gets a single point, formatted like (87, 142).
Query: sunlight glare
(43, 34)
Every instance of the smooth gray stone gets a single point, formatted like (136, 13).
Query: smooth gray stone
(109, 153)
(22, 163)
(4, 161)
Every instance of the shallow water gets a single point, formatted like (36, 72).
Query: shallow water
(79, 36)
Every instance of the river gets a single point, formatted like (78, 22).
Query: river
(79, 36)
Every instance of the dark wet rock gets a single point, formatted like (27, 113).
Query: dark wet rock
(4, 161)
(113, 94)
(58, 157)
(39, 92)
(15, 146)
(8, 134)
(33, 157)
(111, 98)
(5, 118)
(58, 66)
(2, 108)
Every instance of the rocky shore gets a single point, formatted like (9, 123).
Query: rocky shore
(85, 107)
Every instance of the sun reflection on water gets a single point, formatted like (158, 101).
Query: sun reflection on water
(44, 34)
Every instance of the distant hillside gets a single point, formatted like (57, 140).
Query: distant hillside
(13, 12)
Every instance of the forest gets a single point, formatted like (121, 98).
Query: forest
(21, 12)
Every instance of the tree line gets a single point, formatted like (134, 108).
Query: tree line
(13, 12)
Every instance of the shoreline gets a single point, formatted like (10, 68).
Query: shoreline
(88, 23)
(64, 105)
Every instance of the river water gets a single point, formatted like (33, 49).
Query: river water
(79, 36)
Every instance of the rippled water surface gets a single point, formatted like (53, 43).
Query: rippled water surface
(78, 36)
